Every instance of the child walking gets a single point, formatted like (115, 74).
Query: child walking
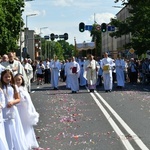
(3, 142)
(27, 112)
(13, 128)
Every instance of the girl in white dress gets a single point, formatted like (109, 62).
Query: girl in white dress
(3, 142)
(27, 112)
(13, 128)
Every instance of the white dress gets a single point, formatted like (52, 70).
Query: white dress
(13, 128)
(120, 66)
(3, 142)
(55, 73)
(29, 116)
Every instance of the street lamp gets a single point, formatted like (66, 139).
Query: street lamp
(26, 31)
(27, 18)
(41, 40)
(21, 31)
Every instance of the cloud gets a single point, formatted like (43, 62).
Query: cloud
(102, 17)
(63, 2)
(76, 3)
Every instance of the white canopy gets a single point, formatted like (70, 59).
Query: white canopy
(85, 46)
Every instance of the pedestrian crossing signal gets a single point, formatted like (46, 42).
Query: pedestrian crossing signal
(81, 27)
(103, 27)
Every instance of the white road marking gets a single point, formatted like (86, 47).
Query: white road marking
(123, 138)
(145, 89)
(126, 127)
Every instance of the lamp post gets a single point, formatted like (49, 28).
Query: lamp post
(21, 31)
(27, 18)
(26, 31)
(41, 40)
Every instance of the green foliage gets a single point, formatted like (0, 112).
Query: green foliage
(68, 50)
(10, 22)
(138, 24)
(96, 36)
(61, 49)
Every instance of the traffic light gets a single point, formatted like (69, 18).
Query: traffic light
(103, 27)
(81, 27)
(65, 36)
(52, 36)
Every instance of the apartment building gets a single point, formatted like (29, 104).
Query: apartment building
(114, 45)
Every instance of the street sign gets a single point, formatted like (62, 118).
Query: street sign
(132, 51)
(56, 36)
(148, 52)
(46, 37)
(111, 28)
(88, 27)
(61, 36)
(24, 50)
(98, 27)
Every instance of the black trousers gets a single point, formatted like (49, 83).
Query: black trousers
(47, 76)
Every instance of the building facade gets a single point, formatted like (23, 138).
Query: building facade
(114, 45)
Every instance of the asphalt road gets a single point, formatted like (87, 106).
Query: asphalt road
(92, 121)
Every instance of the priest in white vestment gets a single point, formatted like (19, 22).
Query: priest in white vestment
(74, 71)
(91, 67)
(15, 66)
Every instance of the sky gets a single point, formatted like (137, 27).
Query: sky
(64, 16)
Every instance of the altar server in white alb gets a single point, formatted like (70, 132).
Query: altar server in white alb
(120, 67)
(3, 142)
(74, 70)
(107, 65)
(27, 112)
(55, 66)
(67, 73)
(82, 79)
(29, 72)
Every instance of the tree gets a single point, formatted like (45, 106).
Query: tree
(10, 23)
(68, 49)
(96, 37)
(137, 24)
(61, 49)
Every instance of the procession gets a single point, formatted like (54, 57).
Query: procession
(17, 112)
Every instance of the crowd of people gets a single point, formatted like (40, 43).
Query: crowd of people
(93, 72)
(17, 112)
